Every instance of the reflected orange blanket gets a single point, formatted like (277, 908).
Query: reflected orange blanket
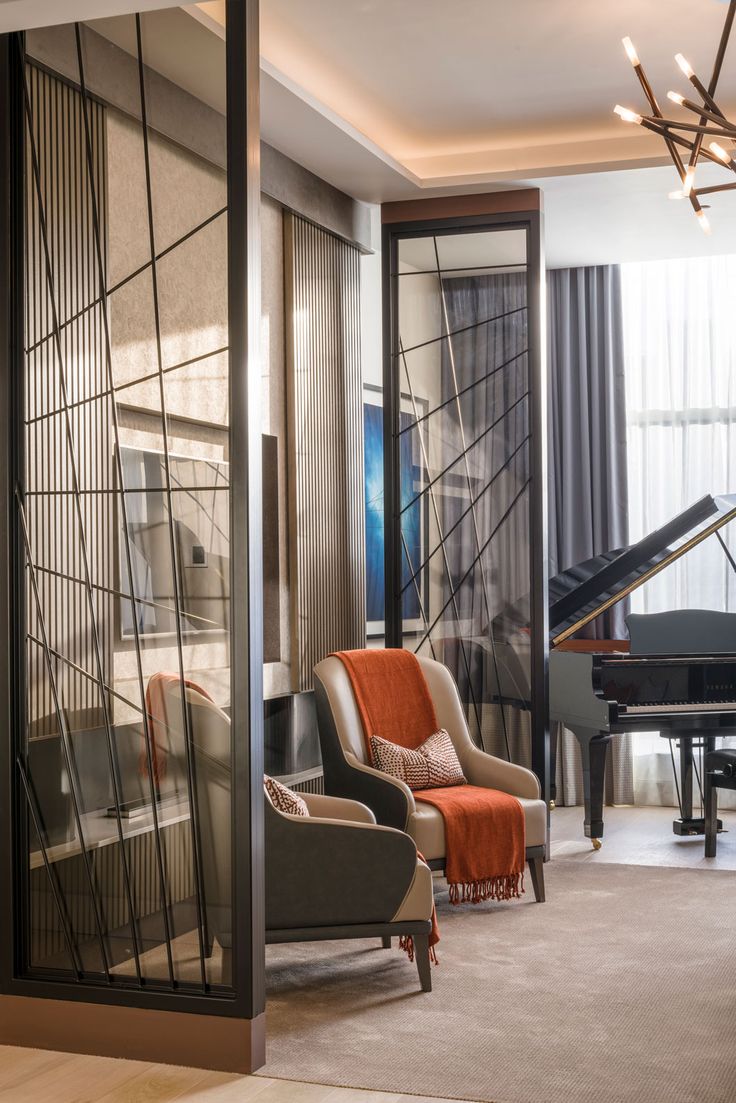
(158, 723)
(484, 828)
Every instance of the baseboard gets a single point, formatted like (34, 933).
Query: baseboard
(142, 1034)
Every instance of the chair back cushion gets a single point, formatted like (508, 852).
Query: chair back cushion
(336, 682)
(433, 765)
(211, 737)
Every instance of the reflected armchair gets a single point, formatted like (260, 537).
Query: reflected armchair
(348, 773)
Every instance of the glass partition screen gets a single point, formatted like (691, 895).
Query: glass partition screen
(125, 759)
(461, 440)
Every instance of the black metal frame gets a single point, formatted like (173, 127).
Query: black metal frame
(246, 999)
(531, 223)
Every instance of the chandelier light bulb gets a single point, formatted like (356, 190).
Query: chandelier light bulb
(685, 66)
(704, 223)
(720, 152)
(630, 51)
(626, 114)
(684, 131)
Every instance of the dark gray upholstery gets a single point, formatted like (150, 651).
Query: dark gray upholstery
(324, 878)
(327, 874)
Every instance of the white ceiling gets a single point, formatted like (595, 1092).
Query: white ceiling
(391, 100)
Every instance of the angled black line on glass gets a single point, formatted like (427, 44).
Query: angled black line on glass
(67, 750)
(131, 275)
(463, 329)
(113, 592)
(418, 594)
(509, 409)
(438, 523)
(83, 547)
(56, 890)
(463, 390)
(60, 658)
(474, 501)
(484, 585)
(469, 268)
(506, 515)
(202, 937)
(120, 387)
(161, 866)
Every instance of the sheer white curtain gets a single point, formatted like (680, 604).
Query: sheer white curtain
(680, 364)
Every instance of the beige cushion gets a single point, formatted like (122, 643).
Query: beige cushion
(427, 828)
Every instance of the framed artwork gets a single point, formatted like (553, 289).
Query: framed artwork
(414, 527)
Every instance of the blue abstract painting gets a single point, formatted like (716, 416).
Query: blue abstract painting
(412, 520)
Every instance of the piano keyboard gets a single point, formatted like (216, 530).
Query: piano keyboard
(680, 706)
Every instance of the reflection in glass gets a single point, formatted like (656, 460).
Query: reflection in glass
(125, 516)
(462, 363)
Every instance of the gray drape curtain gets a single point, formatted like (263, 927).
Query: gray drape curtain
(588, 506)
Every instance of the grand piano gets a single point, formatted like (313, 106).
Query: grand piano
(676, 674)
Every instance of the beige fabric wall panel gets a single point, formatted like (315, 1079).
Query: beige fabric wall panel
(325, 422)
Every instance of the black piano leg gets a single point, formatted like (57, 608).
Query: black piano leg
(554, 735)
(593, 747)
(688, 824)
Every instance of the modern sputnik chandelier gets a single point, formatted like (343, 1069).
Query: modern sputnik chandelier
(685, 137)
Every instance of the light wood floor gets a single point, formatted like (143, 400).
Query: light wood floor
(638, 836)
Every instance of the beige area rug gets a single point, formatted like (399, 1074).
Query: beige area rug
(620, 989)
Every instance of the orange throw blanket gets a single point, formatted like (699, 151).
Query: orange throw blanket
(158, 724)
(484, 828)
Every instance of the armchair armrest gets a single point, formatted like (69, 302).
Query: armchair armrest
(495, 773)
(337, 808)
(390, 799)
(322, 873)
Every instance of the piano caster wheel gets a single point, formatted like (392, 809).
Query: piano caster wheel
(597, 844)
(552, 806)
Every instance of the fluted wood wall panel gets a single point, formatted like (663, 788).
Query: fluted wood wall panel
(65, 204)
(325, 417)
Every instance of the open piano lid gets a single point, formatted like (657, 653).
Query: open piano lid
(582, 593)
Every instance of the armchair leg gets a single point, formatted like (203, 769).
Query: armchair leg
(424, 967)
(536, 869)
(386, 941)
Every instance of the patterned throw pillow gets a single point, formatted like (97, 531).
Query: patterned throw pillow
(433, 765)
(284, 799)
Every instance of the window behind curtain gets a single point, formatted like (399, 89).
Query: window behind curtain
(680, 354)
(680, 363)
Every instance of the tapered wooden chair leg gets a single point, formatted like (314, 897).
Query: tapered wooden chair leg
(536, 869)
(424, 966)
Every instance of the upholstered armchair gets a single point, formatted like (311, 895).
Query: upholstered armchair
(335, 874)
(348, 773)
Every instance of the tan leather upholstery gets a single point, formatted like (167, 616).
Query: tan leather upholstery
(419, 900)
(334, 676)
(336, 808)
(425, 823)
